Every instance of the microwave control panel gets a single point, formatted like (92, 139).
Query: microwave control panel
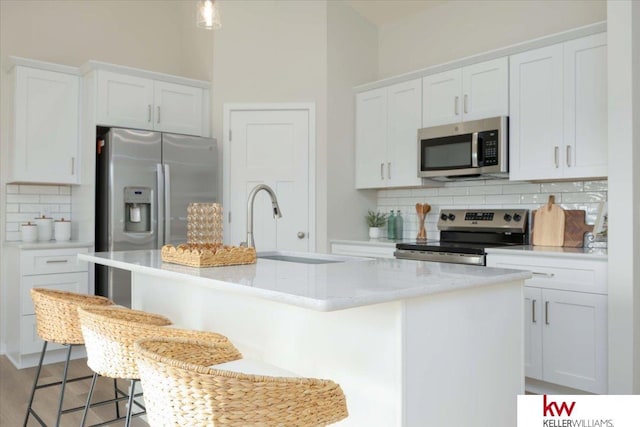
(489, 146)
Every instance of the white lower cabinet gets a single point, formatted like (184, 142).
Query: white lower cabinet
(565, 330)
(38, 268)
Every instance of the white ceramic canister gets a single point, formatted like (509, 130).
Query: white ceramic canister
(62, 230)
(28, 232)
(45, 228)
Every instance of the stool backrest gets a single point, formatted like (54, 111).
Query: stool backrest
(183, 388)
(57, 314)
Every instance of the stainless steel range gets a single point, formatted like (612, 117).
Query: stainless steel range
(464, 235)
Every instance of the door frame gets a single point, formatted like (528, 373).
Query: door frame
(310, 108)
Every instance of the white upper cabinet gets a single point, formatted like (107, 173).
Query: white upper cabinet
(585, 107)
(124, 100)
(558, 117)
(474, 92)
(144, 103)
(43, 143)
(387, 123)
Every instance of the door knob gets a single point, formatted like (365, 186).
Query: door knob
(301, 235)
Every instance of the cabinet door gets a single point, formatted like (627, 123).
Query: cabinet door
(585, 109)
(45, 147)
(575, 340)
(404, 112)
(441, 103)
(178, 108)
(371, 138)
(535, 126)
(532, 333)
(485, 89)
(70, 282)
(124, 100)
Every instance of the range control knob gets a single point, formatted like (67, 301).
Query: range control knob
(444, 217)
(507, 217)
(517, 217)
(452, 217)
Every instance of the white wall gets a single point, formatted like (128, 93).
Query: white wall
(352, 60)
(456, 29)
(275, 52)
(148, 34)
(624, 196)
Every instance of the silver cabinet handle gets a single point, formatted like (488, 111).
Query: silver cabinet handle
(158, 114)
(545, 275)
(73, 166)
(149, 113)
(533, 311)
(381, 170)
(455, 108)
(466, 103)
(556, 154)
(568, 156)
(301, 234)
(546, 312)
(389, 170)
(57, 261)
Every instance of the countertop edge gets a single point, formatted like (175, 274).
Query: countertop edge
(335, 304)
(530, 250)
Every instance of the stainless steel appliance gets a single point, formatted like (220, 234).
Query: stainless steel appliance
(465, 234)
(144, 183)
(471, 149)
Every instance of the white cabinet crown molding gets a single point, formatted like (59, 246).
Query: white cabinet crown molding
(15, 61)
(92, 65)
(574, 33)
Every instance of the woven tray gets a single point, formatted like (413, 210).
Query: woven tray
(208, 255)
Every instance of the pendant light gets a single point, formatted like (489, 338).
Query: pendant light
(208, 15)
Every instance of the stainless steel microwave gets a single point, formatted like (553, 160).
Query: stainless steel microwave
(467, 149)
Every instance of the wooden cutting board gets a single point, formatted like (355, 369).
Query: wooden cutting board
(574, 228)
(549, 225)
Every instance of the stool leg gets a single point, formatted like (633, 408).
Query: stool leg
(64, 384)
(132, 393)
(115, 392)
(86, 407)
(35, 383)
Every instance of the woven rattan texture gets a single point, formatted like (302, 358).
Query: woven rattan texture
(214, 255)
(57, 314)
(110, 334)
(181, 389)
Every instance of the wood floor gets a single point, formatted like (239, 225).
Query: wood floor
(15, 386)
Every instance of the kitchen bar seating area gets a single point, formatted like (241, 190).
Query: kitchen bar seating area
(120, 341)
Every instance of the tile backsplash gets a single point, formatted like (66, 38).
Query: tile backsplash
(488, 194)
(26, 202)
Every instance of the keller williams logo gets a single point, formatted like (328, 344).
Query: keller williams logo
(551, 409)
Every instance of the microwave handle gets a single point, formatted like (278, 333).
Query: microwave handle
(474, 149)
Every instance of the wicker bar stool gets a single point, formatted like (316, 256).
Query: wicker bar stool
(184, 389)
(57, 322)
(110, 334)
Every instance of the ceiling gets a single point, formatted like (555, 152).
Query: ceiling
(381, 12)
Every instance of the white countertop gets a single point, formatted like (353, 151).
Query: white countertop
(51, 244)
(322, 287)
(590, 253)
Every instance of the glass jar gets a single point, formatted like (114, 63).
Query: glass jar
(204, 223)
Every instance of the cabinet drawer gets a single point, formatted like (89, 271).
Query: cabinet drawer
(30, 342)
(581, 275)
(71, 282)
(52, 261)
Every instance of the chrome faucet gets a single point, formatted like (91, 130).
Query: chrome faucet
(274, 203)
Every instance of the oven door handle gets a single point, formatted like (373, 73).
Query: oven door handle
(434, 256)
(474, 149)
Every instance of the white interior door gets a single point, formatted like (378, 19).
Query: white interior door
(269, 147)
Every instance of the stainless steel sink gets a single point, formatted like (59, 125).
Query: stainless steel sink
(305, 257)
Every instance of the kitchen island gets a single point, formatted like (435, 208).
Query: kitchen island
(411, 343)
